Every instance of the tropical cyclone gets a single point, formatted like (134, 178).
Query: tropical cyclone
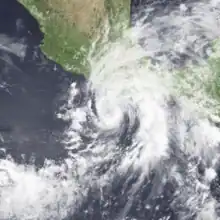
(125, 150)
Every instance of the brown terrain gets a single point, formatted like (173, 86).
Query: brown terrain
(86, 15)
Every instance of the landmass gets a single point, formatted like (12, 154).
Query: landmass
(70, 26)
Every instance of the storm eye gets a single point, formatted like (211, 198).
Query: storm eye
(129, 128)
(201, 168)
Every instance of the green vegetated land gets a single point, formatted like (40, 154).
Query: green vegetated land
(71, 25)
